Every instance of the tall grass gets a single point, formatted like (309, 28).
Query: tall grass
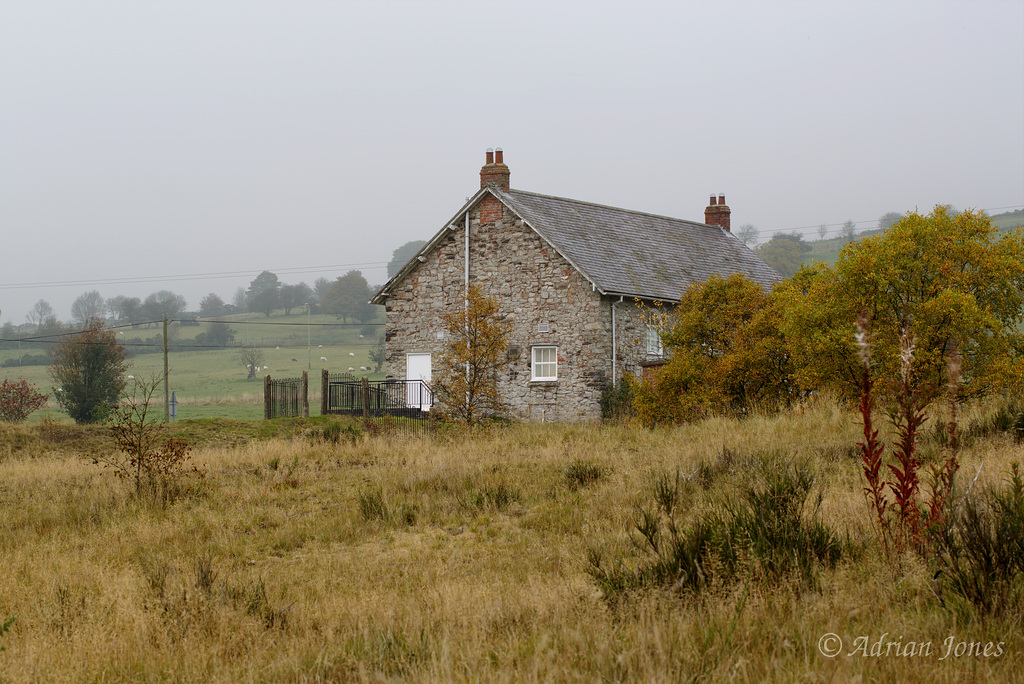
(297, 561)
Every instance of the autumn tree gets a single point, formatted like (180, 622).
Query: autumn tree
(944, 281)
(88, 371)
(726, 353)
(466, 380)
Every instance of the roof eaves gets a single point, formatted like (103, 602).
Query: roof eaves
(641, 297)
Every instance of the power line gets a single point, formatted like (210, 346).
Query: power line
(188, 276)
(868, 221)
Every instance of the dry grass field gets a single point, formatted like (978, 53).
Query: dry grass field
(459, 558)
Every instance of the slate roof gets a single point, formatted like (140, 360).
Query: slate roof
(622, 252)
(633, 253)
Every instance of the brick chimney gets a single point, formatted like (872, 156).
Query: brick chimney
(717, 213)
(494, 172)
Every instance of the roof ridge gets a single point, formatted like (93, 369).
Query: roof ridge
(608, 206)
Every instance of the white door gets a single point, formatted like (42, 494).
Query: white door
(417, 367)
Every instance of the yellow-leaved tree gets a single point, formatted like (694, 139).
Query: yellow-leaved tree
(945, 283)
(466, 381)
(725, 354)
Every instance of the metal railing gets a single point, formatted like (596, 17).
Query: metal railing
(389, 404)
(285, 397)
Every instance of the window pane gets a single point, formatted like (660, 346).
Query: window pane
(545, 363)
(653, 341)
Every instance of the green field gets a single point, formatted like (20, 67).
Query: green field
(211, 383)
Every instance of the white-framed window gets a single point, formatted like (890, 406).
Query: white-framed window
(544, 364)
(654, 347)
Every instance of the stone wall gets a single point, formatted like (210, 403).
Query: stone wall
(534, 286)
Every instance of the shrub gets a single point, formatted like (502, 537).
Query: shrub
(88, 370)
(334, 431)
(727, 354)
(6, 626)
(18, 400)
(981, 553)
(616, 401)
(156, 464)
(580, 474)
(490, 497)
(769, 530)
(374, 508)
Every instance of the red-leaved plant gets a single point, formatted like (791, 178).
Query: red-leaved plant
(18, 400)
(903, 522)
(871, 448)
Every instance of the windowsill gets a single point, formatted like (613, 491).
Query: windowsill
(543, 383)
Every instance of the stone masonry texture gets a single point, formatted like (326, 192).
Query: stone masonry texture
(534, 285)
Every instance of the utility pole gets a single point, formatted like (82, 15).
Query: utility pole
(167, 395)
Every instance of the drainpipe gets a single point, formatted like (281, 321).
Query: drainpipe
(466, 308)
(615, 359)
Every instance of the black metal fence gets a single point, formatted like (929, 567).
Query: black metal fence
(385, 404)
(286, 397)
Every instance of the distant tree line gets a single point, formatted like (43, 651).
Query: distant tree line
(346, 297)
(785, 252)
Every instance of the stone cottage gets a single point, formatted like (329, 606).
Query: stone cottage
(568, 276)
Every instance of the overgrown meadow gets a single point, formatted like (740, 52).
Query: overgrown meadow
(312, 551)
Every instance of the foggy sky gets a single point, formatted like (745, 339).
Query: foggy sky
(176, 141)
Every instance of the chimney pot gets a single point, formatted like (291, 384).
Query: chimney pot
(717, 213)
(494, 172)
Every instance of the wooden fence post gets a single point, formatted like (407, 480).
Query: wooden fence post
(266, 398)
(324, 381)
(305, 394)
